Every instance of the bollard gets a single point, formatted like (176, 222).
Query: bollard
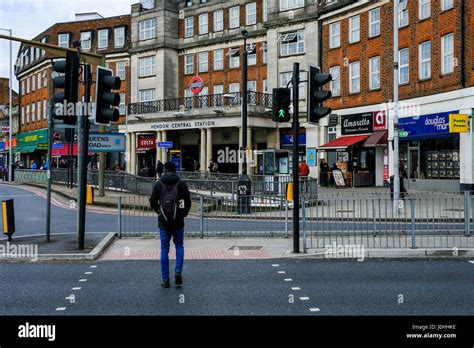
(467, 213)
(8, 213)
(90, 195)
(413, 231)
(304, 226)
(201, 217)
(119, 216)
(374, 215)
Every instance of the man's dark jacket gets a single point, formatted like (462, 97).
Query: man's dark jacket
(183, 194)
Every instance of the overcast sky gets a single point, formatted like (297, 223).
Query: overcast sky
(28, 18)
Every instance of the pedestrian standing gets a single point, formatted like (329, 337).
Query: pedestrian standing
(324, 172)
(159, 168)
(171, 200)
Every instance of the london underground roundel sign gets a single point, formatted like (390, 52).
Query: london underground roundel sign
(196, 84)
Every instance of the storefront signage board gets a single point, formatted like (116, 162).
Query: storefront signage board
(458, 123)
(357, 123)
(425, 125)
(311, 158)
(338, 178)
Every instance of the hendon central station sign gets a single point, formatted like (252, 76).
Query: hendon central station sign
(183, 125)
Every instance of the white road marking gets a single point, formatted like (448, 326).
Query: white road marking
(314, 309)
(304, 298)
(295, 288)
(471, 261)
(281, 272)
(61, 308)
(87, 272)
(288, 279)
(83, 280)
(94, 266)
(76, 288)
(275, 265)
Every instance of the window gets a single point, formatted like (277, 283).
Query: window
(218, 20)
(86, 41)
(265, 86)
(45, 78)
(22, 115)
(23, 87)
(234, 58)
(252, 54)
(234, 88)
(27, 85)
(122, 104)
(424, 60)
(38, 109)
(252, 86)
(335, 84)
(203, 61)
(234, 17)
(189, 64)
(251, 13)
(286, 5)
(28, 113)
(374, 73)
(33, 112)
(203, 24)
(45, 109)
(148, 29)
(147, 95)
(189, 26)
(32, 53)
(354, 29)
(147, 66)
(424, 9)
(103, 40)
(119, 37)
(63, 40)
(354, 77)
(218, 89)
(446, 4)
(265, 53)
(334, 35)
(120, 70)
(292, 43)
(404, 65)
(44, 40)
(218, 59)
(33, 83)
(403, 18)
(39, 80)
(218, 92)
(447, 54)
(374, 22)
(265, 10)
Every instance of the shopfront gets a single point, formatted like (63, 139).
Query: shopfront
(146, 152)
(32, 147)
(430, 152)
(361, 150)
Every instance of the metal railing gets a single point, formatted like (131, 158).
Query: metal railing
(424, 221)
(199, 102)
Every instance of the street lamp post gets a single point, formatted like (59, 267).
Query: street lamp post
(244, 187)
(10, 176)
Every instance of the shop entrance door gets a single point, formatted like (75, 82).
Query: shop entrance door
(413, 162)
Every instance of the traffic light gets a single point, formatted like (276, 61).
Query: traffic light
(66, 77)
(316, 95)
(281, 104)
(106, 101)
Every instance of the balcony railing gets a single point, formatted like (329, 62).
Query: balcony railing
(199, 102)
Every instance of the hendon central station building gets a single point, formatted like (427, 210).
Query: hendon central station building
(182, 63)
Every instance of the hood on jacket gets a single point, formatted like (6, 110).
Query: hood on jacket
(169, 178)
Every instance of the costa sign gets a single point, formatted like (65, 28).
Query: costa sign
(196, 84)
(380, 120)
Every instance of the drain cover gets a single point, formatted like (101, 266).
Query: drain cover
(246, 247)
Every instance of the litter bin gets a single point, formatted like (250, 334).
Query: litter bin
(403, 191)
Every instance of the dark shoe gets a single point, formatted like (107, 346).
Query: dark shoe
(165, 284)
(178, 279)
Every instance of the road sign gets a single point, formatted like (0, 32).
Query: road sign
(58, 146)
(5, 129)
(107, 142)
(165, 144)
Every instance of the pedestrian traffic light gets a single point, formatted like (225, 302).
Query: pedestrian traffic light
(281, 104)
(316, 95)
(106, 101)
(66, 75)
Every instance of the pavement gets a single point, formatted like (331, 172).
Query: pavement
(240, 287)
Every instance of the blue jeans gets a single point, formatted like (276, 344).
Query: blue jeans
(178, 239)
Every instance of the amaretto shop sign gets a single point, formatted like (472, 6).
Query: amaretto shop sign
(357, 123)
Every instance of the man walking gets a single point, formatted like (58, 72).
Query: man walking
(171, 200)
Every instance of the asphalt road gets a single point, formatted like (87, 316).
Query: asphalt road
(241, 287)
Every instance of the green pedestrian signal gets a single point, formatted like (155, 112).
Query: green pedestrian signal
(281, 104)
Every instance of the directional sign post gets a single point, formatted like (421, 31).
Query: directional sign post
(165, 144)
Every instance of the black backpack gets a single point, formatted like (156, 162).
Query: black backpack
(169, 201)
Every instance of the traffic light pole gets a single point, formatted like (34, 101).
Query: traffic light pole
(83, 140)
(48, 189)
(296, 145)
(101, 168)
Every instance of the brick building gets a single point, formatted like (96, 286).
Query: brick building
(435, 77)
(107, 36)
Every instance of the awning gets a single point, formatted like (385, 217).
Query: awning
(64, 151)
(26, 149)
(377, 139)
(343, 142)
